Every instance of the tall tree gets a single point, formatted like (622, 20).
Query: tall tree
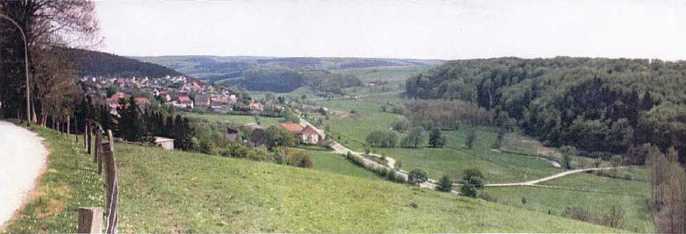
(47, 24)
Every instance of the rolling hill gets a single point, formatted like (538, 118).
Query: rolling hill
(214, 68)
(174, 191)
(95, 63)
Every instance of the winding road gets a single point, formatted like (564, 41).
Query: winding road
(22, 158)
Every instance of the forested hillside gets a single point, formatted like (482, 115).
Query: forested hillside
(599, 105)
(286, 80)
(94, 63)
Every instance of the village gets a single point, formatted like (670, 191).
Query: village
(185, 94)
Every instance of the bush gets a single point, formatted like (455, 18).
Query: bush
(385, 139)
(577, 213)
(417, 176)
(472, 181)
(469, 190)
(401, 125)
(445, 184)
(470, 139)
(436, 140)
(414, 138)
(299, 159)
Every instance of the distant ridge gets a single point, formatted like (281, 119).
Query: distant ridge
(95, 63)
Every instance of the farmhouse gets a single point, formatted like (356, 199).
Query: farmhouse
(232, 134)
(165, 143)
(307, 134)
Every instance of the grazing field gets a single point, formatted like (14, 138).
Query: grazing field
(353, 120)
(452, 159)
(70, 181)
(165, 191)
(593, 193)
(234, 119)
(353, 128)
(325, 160)
(390, 74)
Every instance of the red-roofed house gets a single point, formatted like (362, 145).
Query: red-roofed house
(292, 127)
(307, 134)
(183, 101)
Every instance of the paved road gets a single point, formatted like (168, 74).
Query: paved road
(22, 157)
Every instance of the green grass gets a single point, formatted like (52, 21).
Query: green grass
(175, 191)
(233, 119)
(69, 182)
(353, 128)
(328, 161)
(594, 193)
(454, 158)
(450, 160)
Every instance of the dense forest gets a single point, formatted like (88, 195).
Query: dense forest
(93, 63)
(596, 104)
(287, 80)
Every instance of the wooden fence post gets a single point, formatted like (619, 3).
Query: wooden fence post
(85, 138)
(96, 145)
(90, 130)
(111, 140)
(90, 220)
(112, 190)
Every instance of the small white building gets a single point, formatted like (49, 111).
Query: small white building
(165, 143)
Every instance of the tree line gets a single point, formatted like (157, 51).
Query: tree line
(594, 104)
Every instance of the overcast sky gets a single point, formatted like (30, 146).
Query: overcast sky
(401, 29)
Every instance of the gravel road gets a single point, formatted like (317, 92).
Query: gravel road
(22, 157)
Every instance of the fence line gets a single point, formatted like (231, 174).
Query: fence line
(103, 156)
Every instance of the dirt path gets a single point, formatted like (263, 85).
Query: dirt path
(22, 157)
(552, 177)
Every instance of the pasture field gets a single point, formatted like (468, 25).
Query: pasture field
(326, 160)
(173, 191)
(591, 192)
(353, 128)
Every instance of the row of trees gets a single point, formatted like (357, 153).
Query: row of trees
(416, 137)
(135, 123)
(593, 104)
(668, 190)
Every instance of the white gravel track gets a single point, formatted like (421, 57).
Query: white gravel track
(22, 158)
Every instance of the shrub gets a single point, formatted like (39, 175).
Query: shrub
(445, 184)
(566, 162)
(577, 213)
(417, 176)
(299, 159)
(471, 138)
(414, 138)
(472, 181)
(614, 217)
(469, 190)
(385, 139)
(401, 125)
(436, 140)
(523, 200)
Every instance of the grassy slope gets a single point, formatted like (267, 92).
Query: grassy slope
(236, 119)
(594, 193)
(69, 182)
(177, 191)
(325, 160)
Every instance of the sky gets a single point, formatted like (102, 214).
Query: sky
(426, 29)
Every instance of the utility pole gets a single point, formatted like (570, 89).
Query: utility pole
(26, 64)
